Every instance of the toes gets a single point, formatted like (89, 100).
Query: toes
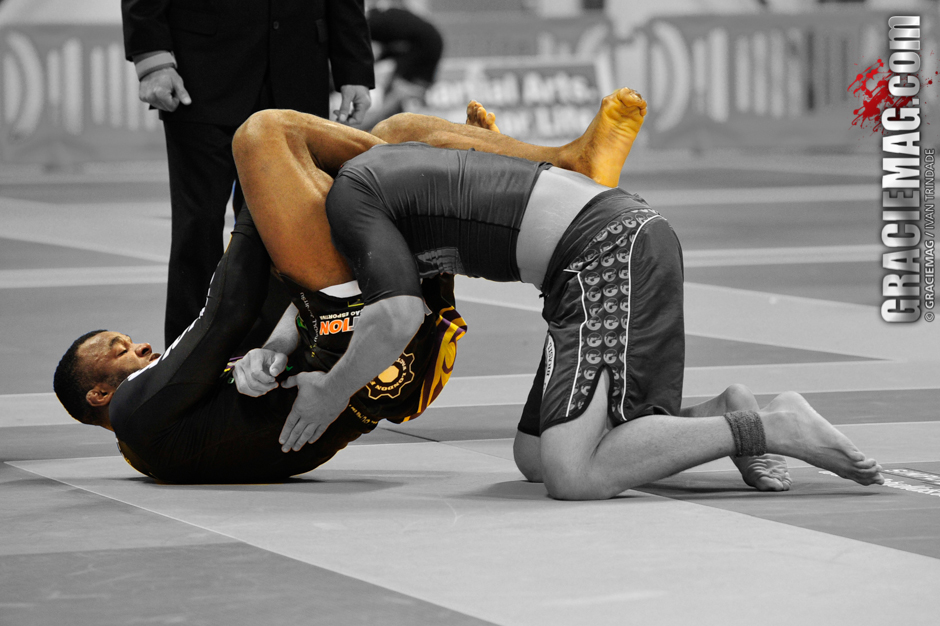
(473, 112)
(629, 98)
(873, 480)
(858, 458)
(766, 483)
(772, 483)
(868, 477)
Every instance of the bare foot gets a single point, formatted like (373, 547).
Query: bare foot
(477, 116)
(604, 147)
(795, 429)
(764, 473)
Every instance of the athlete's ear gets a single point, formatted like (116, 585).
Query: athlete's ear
(100, 395)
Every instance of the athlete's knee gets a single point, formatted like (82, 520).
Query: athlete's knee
(574, 481)
(572, 474)
(256, 129)
(563, 483)
(525, 451)
(397, 128)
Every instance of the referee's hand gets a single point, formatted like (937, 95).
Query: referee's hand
(164, 90)
(256, 372)
(356, 101)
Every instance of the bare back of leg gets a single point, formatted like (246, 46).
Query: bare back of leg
(581, 461)
(285, 164)
(599, 153)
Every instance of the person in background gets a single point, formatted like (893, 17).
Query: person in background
(414, 45)
(207, 68)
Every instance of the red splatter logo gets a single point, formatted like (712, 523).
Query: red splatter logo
(878, 98)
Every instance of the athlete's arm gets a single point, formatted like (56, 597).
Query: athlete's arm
(255, 373)
(383, 331)
(284, 338)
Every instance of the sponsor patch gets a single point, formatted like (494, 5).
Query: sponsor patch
(339, 325)
(390, 382)
(446, 260)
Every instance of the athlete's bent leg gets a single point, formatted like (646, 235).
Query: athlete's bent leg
(581, 460)
(285, 162)
(525, 452)
(580, 464)
(598, 154)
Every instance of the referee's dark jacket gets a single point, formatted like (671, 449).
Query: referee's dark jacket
(225, 48)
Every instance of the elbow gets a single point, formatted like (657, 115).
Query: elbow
(406, 317)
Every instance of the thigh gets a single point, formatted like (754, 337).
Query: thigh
(530, 422)
(655, 351)
(566, 449)
(527, 455)
(525, 448)
(285, 189)
(571, 359)
(236, 294)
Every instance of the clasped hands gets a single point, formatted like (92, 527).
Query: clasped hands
(315, 408)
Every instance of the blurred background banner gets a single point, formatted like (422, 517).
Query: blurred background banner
(68, 95)
(761, 80)
(537, 100)
(747, 79)
(542, 76)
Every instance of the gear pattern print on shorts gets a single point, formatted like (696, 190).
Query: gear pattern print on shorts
(604, 271)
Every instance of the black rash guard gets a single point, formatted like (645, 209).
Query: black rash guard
(182, 420)
(405, 211)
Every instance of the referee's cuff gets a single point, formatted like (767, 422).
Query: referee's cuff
(154, 62)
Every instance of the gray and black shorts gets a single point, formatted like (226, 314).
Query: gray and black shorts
(616, 305)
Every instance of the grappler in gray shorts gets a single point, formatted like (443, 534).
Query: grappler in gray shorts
(604, 413)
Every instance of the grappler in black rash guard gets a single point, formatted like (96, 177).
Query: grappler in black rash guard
(180, 418)
(603, 414)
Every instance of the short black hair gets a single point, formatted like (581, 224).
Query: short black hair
(72, 382)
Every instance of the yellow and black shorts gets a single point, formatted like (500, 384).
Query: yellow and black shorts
(408, 387)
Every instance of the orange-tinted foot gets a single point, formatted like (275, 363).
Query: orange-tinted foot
(477, 116)
(604, 147)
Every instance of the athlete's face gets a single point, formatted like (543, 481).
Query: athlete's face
(110, 355)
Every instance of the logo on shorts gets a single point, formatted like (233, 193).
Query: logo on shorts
(431, 262)
(549, 361)
(390, 382)
(338, 323)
